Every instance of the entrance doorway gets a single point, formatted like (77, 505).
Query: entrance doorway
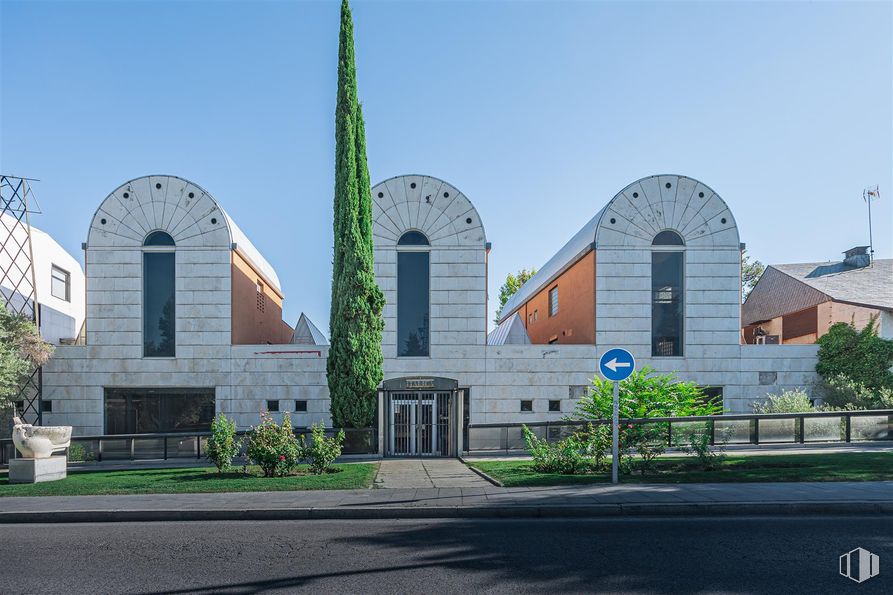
(420, 422)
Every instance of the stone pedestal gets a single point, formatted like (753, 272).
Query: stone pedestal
(37, 470)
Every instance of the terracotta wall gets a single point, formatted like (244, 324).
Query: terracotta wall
(257, 319)
(833, 312)
(575, 321)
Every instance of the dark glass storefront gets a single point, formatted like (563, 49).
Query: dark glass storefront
(146, 410)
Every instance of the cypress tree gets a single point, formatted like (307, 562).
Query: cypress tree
(354, 363)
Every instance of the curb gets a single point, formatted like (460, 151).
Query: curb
(452, 512)
(492, 480)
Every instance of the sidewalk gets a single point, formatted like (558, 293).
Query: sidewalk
(470, 502)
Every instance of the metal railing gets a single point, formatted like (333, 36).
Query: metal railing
(734, 429)
(178, 445)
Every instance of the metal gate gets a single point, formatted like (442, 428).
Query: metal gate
(420, 423)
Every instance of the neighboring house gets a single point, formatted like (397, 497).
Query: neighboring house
(58, 280)
(170, 316)
(798, 303)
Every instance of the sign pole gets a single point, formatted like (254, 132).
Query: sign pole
(615, 436)
(616, 365)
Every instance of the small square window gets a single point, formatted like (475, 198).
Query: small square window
(60, 284)
(272, 406)
(526, 405)
(46, 406)
(301, 406)
(554, 405)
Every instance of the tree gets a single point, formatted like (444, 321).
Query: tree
(860, 356)
(355, 360)
(21, 351)
(751, 271)
(513, 283)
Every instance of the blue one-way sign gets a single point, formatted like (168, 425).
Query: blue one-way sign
(617, 364)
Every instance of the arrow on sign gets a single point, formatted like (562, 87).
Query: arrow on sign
(614, 364)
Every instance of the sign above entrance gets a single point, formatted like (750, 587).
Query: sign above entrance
(617, 364)
(420, 383)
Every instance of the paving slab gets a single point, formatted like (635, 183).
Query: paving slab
(426, 473)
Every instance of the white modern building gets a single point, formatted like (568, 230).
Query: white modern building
(184, 315)
(57, 280)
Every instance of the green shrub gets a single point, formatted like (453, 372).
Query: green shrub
(322, 451)
(645, 394)
(860, 356)
(568, 456)
(789, 401)
(223, 446)
(696, 442)
(273, 447)
(841, 392)
(648, 441)
(76, 453)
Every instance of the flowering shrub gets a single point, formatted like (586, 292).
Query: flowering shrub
(322, 451)
(223, 446)
(273, 447)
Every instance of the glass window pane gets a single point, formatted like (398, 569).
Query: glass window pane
(159, 238)
(159, 310)
(413, 320)
(148, 410)
(667, 303)
(553, 301)
(59, 284)
(413, 238)
(668, 237)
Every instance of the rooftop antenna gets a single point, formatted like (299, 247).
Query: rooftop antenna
(868, 195)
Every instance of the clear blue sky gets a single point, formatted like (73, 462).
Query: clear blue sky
(538, 111)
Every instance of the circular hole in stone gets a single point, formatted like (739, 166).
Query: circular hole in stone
(102, 221)
(158, 186)
(468, 220)
(126, 195)
(701, 194)
(214, 220)
(635, 195)
(446, 194)
(613, 220)
(668, 185)
(412, 185)
(723, 220)
(381, 195)
(192, 195)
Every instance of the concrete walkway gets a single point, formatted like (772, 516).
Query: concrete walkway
(468, 502)
(427, 473)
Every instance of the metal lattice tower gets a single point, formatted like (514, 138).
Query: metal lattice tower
(18, 285)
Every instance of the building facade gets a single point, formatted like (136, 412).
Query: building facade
(58, 281)
(798, 303)
(174, 334)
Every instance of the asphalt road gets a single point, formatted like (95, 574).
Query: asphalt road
(677, 555)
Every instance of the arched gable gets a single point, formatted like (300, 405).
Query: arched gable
(667, 202)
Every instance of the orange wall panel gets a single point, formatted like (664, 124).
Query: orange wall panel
(575, 321)
(256, 320)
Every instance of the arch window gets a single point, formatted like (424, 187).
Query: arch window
(413, 295)
(159, 295)
(667, 295)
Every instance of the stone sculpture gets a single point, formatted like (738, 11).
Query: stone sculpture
(39, 442)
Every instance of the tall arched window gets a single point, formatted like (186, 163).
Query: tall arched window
(413, 301)
(159, 295)
(667, 294)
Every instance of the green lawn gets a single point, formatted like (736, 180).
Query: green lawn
(855, 466)
(192, 480)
